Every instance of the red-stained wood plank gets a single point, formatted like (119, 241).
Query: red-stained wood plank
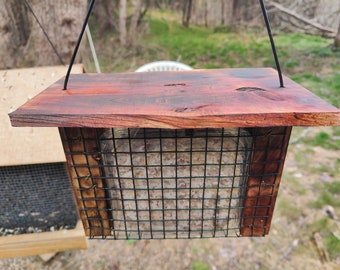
(187, 99)
(269, 152)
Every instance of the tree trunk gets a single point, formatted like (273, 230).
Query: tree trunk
(320, 17)
(187, 13)
(328, 13)
(122, 23)
(128, 24)
(23, 43)
(245, 11)
(134, 22)
(337, 40)
(106, 13)
(224, 12)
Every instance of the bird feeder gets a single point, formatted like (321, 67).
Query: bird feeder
(186, 154)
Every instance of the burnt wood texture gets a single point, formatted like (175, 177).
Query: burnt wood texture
(249, 97)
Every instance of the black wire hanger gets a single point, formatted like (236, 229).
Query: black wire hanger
(265, 16)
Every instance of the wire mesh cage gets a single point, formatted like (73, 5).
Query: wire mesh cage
(187, 183)
(33, 199)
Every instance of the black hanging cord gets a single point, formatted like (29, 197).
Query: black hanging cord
(265, 16)
(46, 35)
(78, 43)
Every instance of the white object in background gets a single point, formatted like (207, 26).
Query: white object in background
(163, 66)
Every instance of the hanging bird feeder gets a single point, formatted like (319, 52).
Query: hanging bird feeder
(187, 154)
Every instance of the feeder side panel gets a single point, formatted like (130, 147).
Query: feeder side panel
(86, 178)
(269, 151)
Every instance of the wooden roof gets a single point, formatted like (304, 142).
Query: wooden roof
(28, 145)
(249, 97)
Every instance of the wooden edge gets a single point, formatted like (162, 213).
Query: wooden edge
(74, 184)
(246, 97)
(85, 175)
(277, 181)
(42, 243)
(269, 152)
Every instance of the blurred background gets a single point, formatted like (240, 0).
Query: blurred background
(305, 232)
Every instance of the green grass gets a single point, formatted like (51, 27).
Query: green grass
(325, 140)
(333, 188)
(198, 265)
(131, 242)
(330, 195)
(326, 87)
(327, 228)
(289, 209)
(204, 48)
(332, 244)
(326, 199)
(295, 183)
(300, 157)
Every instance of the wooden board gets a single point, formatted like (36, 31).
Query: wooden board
(42, 243)
(269, 153)
(28, 145)
(85, 175)
(249, 97)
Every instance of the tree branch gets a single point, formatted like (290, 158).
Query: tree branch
(325, 30)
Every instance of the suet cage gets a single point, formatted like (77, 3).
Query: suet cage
(177, 154)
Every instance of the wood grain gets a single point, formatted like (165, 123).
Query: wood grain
(269, 152)
(42, 243)
(249, 97)
(85, 174)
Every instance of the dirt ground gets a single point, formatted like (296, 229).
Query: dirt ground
(291, 243)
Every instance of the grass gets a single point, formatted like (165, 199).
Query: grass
(198, 265)
(289, 209)
(131, 242)
(204, 48)
(324, 140)
(327, 87)
(300, 157)
(330, 195)
(328, 230)
(332, 244)
(295, 184)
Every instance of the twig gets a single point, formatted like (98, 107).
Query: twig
(320, 247)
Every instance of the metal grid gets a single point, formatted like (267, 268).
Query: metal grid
(164, 184)
(34, 198)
